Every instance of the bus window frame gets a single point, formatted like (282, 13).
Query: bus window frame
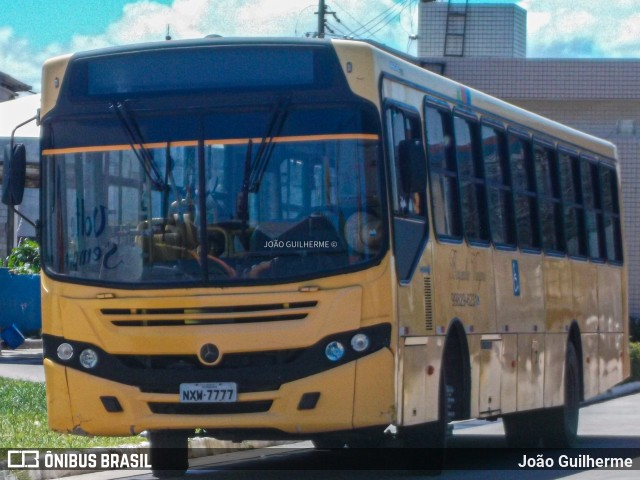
(445, 108)
(615, 214)
(388, 104)
(593, 163)
(477, 163)
(526, 138)
(554, 197)
(576, 203)
(506, 187)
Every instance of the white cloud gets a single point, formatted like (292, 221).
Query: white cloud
(17, 59)
(588, 28)
(146, 20)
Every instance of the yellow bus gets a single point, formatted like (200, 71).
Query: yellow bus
(268, 238)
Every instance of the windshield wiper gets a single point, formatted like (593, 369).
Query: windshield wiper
(259, 165)
(243, 205)
(132, 131)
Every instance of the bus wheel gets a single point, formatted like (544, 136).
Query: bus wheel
(169, 452)
(328, 442)
(428, 441)
(560, 426)
(522, 429)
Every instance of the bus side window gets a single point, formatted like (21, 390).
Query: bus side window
(573, 218)
(611, 208)
(472, 182)
(409, 169)
(548, 198)
(524, 195)
(496, 166)
(592, 209)
(443, 174)
(413, 174)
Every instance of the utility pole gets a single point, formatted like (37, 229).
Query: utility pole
(321, 22)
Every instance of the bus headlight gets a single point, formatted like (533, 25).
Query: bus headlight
(88, 358)
(334, 351)
(360, 342)
(65, 351)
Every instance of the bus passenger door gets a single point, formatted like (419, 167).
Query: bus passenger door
(410, 231)
(408, 189)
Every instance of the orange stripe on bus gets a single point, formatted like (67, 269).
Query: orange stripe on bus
(193, 143)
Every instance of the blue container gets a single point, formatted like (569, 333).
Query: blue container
(12, 336)
(20, 302)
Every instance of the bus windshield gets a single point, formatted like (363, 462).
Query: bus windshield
(236, 196)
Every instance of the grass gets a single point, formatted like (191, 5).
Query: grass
(23, 421)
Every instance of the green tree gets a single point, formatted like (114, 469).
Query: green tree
(25, 258)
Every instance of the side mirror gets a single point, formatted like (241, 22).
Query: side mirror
(14, 175)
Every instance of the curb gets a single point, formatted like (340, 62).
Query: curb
(31, 343)
(28, 344)
(614, 392)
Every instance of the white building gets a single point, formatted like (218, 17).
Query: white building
(12, 113)
(597, 96)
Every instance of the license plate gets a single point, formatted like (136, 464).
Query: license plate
(224, 392)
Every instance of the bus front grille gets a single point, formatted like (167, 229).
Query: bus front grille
(212, 315)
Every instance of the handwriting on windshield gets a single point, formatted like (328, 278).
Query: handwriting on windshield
(91, 224)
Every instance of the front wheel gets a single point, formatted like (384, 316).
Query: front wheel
(169, 452)
(428, 441)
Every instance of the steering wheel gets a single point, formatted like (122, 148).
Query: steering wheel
(220, 264)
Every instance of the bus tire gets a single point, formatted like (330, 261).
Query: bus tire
(522, 429)
(169, 453)
(560, 425)
(428, 441)
(328, 443)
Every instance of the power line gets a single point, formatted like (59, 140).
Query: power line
(390, 16)
(370, 28)
(361, 27)
(383, 16)
(376, 23)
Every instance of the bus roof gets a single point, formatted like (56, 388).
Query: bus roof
(413, 74)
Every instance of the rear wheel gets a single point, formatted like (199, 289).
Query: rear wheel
(560, 426)
(555, 427)
(169, 452)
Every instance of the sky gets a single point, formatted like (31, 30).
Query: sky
(33, 30)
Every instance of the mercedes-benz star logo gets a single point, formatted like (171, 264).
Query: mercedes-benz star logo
(209, 353)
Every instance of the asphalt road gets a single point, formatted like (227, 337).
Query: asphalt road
(24, 363)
